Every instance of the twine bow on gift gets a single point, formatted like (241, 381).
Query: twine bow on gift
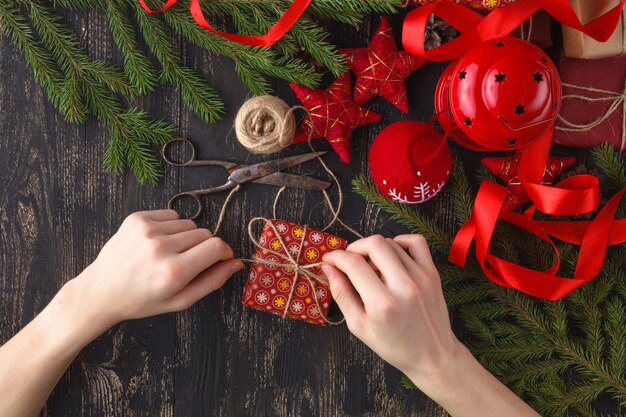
(290, 262)
(616, 99)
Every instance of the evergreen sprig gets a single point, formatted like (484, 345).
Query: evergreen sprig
(80, 86)
(561, 356)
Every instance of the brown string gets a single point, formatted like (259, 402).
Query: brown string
(616, 100)
(522, 30)
(335, 211)
(290, 262)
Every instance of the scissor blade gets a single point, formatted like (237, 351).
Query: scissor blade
(263, 169)
(282, 179)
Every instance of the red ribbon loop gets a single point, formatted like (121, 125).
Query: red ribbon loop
(274, 33)
(499, 22)
(576, 195)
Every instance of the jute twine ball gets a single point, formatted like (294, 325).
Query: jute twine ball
(265, 124)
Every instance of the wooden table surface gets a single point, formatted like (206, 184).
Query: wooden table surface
(58, 208)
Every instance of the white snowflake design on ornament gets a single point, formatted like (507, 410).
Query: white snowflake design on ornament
(421, 192)
(316, 237)
(297, 306)
(262, 240)
(398, 197)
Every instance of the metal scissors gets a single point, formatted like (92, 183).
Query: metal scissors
(263, 173)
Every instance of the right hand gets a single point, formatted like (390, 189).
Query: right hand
(390, 293)
(155, 263)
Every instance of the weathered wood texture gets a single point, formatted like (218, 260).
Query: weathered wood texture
(57, 208)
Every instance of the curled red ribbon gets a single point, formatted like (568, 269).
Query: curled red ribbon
(498, 23)
(576, 195)
(274, 33)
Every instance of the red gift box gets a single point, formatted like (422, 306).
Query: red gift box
(593, 110)
(537, 29)
(286, 278)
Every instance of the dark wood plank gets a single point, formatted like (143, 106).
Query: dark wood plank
(57, 208)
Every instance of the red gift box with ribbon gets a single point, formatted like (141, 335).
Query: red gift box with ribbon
(537, 29)
(593, 109)
(286, 278)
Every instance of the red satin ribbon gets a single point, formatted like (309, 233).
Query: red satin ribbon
(573, 196)
(276, 32)
(500, 22)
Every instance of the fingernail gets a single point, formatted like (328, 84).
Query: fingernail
(236, 266)
(327, 270)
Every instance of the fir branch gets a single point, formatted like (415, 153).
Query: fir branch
(460, 192)
(610, 164)
(139, 70)
(91, 86)
(196, 93)
(313, 39)
(560, 355)
(352, 11)
(416, 221)
(250, 60)
(46, 73)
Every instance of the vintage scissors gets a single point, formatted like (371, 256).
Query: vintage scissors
(263, 172)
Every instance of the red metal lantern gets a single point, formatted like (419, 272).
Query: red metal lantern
(500, 96)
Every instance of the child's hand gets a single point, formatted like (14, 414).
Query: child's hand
(392, 300)
(155, 263)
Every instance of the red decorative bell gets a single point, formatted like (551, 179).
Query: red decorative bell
(500, 96)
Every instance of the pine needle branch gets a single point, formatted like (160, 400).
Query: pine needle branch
(562, 356)
(139, 70)
(196, 93)
(16, 27)
(411, 218)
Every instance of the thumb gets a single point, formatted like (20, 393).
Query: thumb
(345, 295)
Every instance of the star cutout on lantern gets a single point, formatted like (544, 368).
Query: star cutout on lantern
(537, 77)
(333, 115)
(500, 77)
(507, 169)
(381, 69)
(520, 109)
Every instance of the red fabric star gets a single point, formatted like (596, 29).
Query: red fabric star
(381, 68)
(507, 169)
(334, 115)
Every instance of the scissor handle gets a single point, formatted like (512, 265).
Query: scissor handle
(186, 144)
(180, 196)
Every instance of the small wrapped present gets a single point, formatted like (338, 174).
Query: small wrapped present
(578, 45)
(537, 29)
(286, 278)
(473, 4)
(592, 111)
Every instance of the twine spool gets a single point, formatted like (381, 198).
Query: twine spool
(265, 124)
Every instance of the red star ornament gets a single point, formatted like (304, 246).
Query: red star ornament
(381, 69)
(507, 169)
(333, 115)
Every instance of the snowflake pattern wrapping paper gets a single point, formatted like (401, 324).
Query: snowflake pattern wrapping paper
(275, 287)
